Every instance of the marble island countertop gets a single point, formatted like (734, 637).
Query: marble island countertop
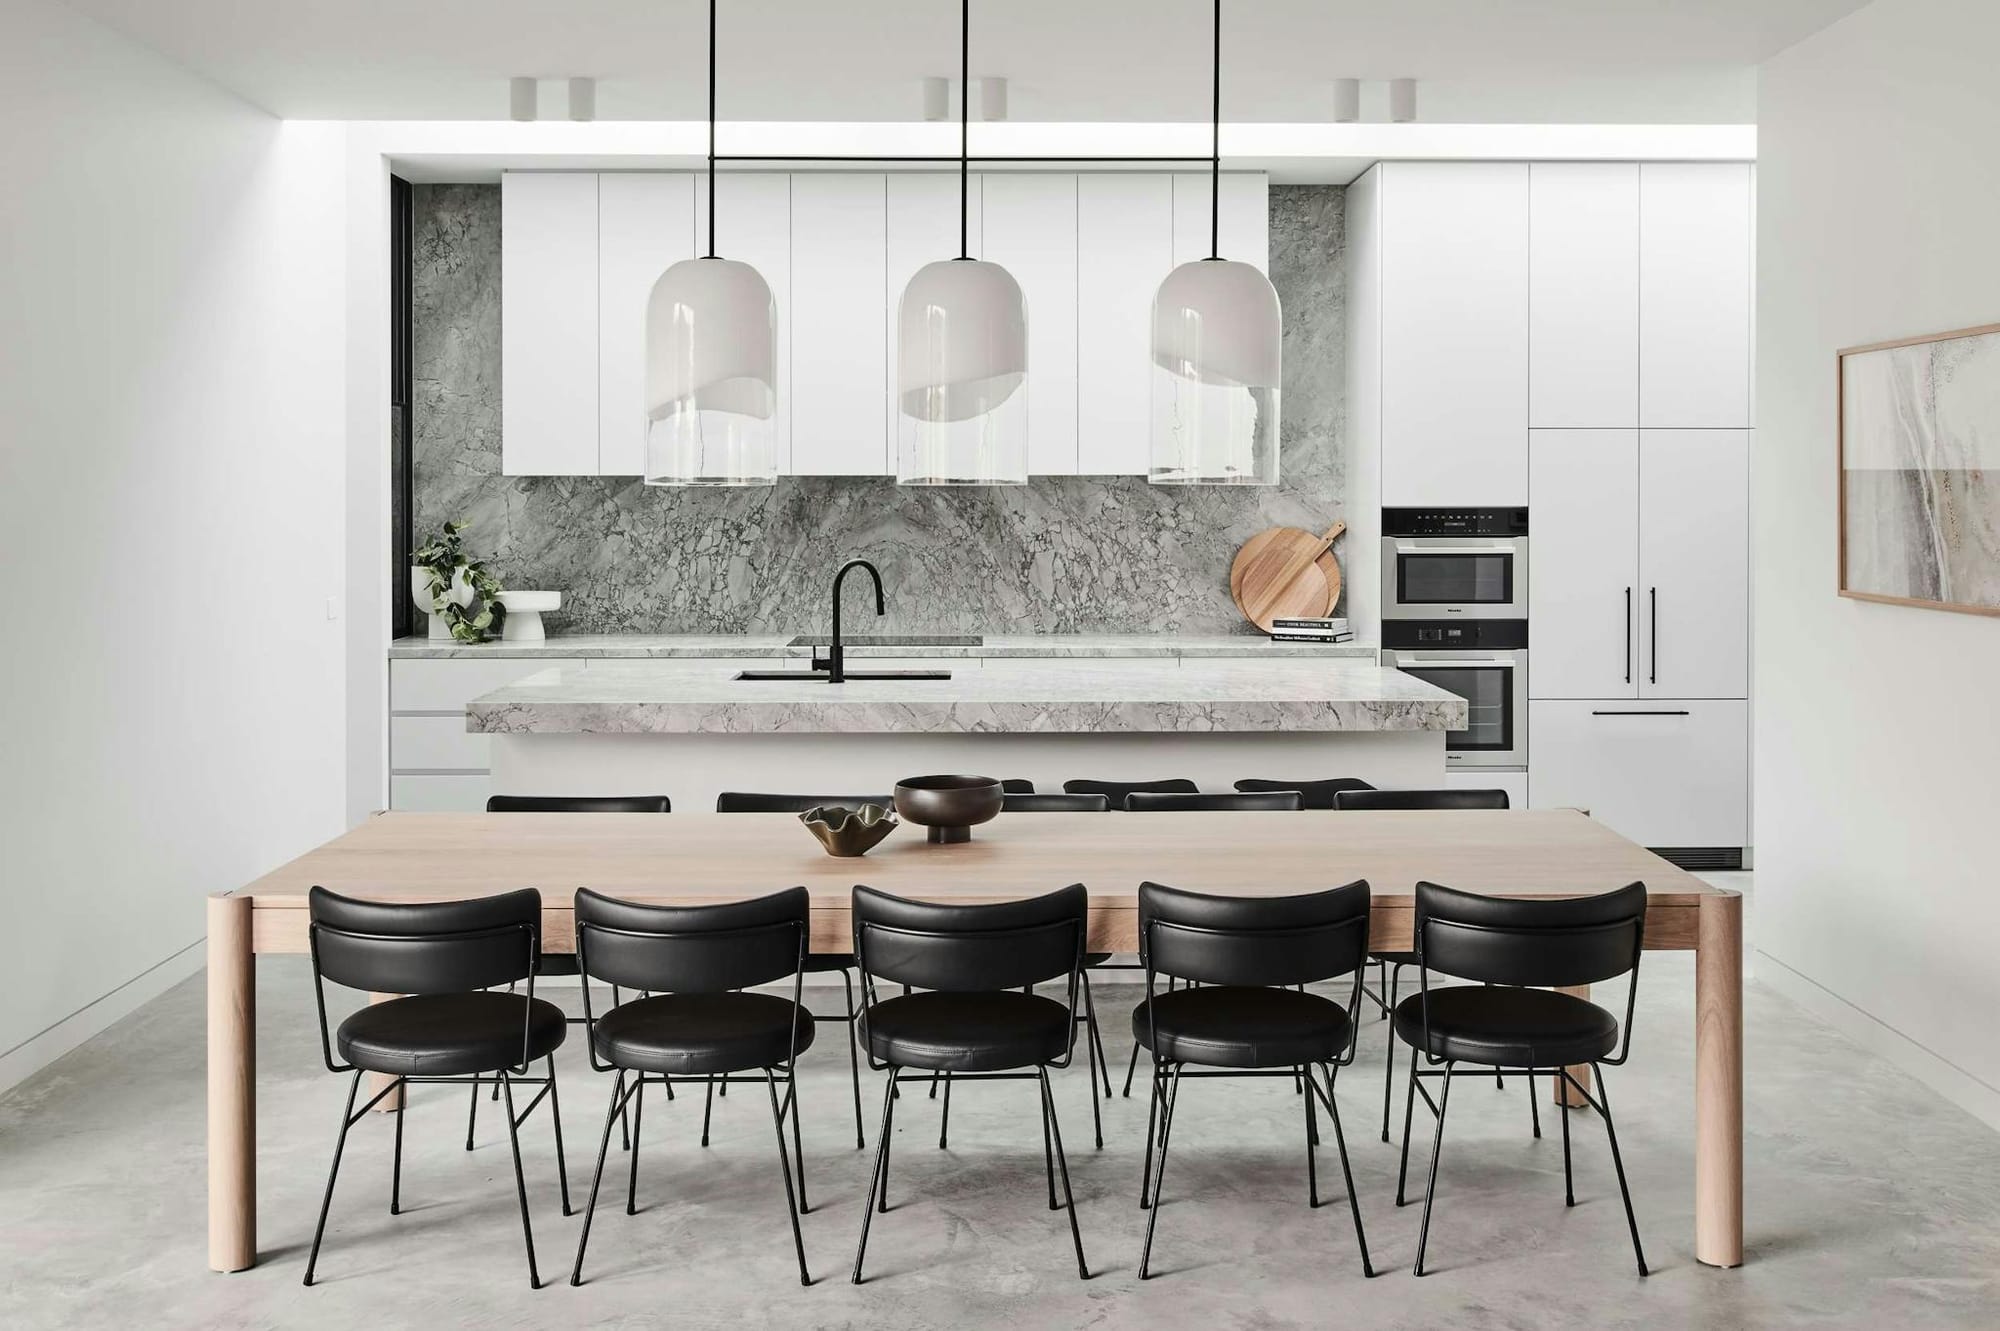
(694, 697)
(710, 646)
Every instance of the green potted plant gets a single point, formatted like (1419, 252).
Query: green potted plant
(461, 596)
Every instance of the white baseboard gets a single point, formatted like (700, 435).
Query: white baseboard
(38, 1051)
(1969, 1093)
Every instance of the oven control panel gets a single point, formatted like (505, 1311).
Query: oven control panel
(1455, 634)
(1454, 522)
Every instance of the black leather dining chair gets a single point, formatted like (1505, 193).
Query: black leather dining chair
(1116, 791)
(1015, 785)
(1517, 951)
(971, 1015)
(1312, 794)
(692, 965)
(441, 958)
(1267, 801)
(1030, 802)
(1390, 965)
(1239, 1014)
(817, 963)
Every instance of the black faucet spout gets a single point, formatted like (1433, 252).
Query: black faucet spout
(836, 656)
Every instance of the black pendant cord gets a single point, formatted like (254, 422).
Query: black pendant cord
(1215, 144)
(711, 130)
(964, 117)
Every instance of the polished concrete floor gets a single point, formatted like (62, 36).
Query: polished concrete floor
(1870, 1202)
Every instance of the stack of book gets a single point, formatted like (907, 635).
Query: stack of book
(1318, 629)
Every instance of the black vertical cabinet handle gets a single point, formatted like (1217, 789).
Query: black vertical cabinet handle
(1653, 596)
(1628, 635)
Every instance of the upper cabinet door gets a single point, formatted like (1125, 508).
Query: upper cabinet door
(1245, 218)
(922, 228)
(1583, 294)
(1125, 235)
(1583, 560)
(548, 323)
(1030, 228)
(1694, 561)
(1694, 295)
(1454, 238)
(839, 326)
(645, 224)
(753, 223)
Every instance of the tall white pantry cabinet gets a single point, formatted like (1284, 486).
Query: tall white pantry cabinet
(1576, 337)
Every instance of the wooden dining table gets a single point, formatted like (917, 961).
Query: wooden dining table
(693, 858)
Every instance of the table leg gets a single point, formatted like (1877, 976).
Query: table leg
(1561, 1092)
(232, 1086)
(1718, 1081)
(377, 1081)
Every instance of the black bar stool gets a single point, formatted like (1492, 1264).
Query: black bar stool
(1267, 801)
(1512, 948)
(690, 961)
(970, 1016)
(1314, 794)
(442, 957)
(1237, 1015)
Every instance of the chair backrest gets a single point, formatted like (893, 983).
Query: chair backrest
(1313, 794)
(1267, 801)
(970, 949)
(1253, 940)
(1420, 799)
(752, 801)
(579, 804)
(691, 949)
(1015, 785)
(1116, 791)
(1543, 942)
(430, 947)
(1033, 803)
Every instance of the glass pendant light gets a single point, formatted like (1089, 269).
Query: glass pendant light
(711, 361)
(1216, 356)
(962, 355)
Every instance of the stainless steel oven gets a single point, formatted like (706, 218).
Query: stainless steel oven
(1484, 662)
(1464, 563)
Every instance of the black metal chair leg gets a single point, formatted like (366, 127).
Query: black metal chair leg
(877, 1181)
(615, 1110)
(1093, 1060)
(520, 1180)
(854, 1058)
(1049, 1160)
(895, 1093)
(798, 1147)
(472, 1114)
(555, 1117)
(1152, 1137)
(1430, 1188)
(638, 1125)
(707, 1108)
(1096, 1041)
(794, 1204)
(1347, 1172)
(1618, 1163)
(1312, 1162)
(1409, 1109)
(1534, 1105)
(1389, 1079)
(1312, 1125)
(326, 1202)
(1169, 1096)
(934, 1084)
(944, 1119)
(1569, 1178)
(1130, 1064)
(396, 1168)
(1062, 1165)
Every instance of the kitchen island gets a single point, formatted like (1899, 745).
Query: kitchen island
(691, 728)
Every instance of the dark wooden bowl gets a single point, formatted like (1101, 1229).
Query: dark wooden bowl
(948, 805)
(849, 832)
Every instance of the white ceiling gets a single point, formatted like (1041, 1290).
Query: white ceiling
(1480, 60)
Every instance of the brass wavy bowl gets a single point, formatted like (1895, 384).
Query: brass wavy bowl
(949, 805)
(849, 832)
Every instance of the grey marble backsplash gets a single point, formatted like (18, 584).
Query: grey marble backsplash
(1059, 555)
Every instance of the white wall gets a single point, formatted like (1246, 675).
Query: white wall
(1878, 727)
(171, 429)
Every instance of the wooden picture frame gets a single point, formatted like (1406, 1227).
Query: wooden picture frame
(1955, 558)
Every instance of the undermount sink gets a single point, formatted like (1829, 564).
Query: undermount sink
(891, 640)
(823, 677)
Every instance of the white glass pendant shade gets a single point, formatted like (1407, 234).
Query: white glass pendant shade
(711, 376)
(1216, 375)
(962, 376)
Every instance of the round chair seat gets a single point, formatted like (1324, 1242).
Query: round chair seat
(694, 1034)
(984, 1032)
(449, 1035)
(1231, 1026)
(1509, 1028)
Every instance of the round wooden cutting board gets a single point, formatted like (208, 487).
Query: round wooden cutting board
(1286, 571)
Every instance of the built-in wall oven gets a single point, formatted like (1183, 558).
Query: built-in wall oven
(1485, 662)
(1458, 563)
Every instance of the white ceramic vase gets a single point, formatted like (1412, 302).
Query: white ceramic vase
(420, 592)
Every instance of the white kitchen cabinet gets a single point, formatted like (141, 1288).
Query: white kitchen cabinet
(437, 744)
(1245, 217)
(447, 683)
(1583, 294)
(922, 227)
(753, 223)
(839, 325)
(1125, 233)
(1661, 772)
(1029, 226)
(1694, 563)
(1584, 592)
(1454, 331)
(458, 792)
(435, 764)
(548, 323)
(1694, 295)
(645, 224)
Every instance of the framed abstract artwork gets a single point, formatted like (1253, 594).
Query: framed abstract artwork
(1920, 471)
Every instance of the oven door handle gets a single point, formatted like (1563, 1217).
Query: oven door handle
(1457, 662)
(1497, 548)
